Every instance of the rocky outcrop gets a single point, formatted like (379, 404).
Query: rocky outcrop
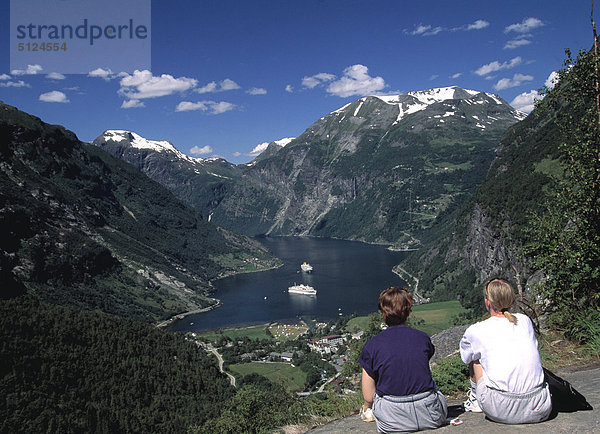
(446, 342)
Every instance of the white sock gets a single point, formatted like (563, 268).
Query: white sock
(473, 389)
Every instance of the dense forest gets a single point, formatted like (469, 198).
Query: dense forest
(65, 370)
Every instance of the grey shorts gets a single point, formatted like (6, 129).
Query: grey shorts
(425, 410)
(515, 408)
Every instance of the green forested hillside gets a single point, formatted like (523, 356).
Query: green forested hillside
(545, 171)
(82, 228)
(64, 370)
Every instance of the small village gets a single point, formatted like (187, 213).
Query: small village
(315, 349)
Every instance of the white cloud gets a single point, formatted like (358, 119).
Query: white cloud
(4, 77)
(228, 84)
(237, 154)
(356, 81)
(19, 83)
(132, 103)
(289, 88)
(142, 84)
(524, 26)
(54, 96)
(211, 107)
(55, 76)
(185, 106)
(526, 101)
(516, 43)
(196, 150)
(457, 75)
(31, 70)
(221, 107)
(105, 74)
(433, 77)
(222, 86)
(426, 30)
(477, 25)
(317, 79)
(209, 87)
(517, 80)
(257, 91)
(552, 80)
(497, 66)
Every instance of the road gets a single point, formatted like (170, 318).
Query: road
(208, 347)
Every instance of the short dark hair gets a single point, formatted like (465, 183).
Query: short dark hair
(395, 304)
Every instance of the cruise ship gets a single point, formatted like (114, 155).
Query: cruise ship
(306, 267)
(302, 289)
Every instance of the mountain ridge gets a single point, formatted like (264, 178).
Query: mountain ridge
(86, 229)
(385, 148)
(367, 146)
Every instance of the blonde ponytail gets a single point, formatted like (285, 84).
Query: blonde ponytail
(509, 316)
(501, 296)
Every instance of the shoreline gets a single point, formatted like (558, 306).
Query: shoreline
(389, 246)
(180, 316)
(166, 323)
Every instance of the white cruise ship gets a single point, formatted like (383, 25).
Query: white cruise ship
(306, 267)
(302, 289)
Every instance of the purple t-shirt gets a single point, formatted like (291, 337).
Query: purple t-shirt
(398, 360)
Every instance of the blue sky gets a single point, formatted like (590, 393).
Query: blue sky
(229, 75)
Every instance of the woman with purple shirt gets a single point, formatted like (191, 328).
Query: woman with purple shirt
(396, 381)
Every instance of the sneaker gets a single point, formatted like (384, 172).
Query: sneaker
(471, 404)
(367, 415)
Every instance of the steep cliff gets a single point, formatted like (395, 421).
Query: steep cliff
(489, 231)
(380, 169)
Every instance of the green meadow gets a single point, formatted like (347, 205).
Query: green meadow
(292, 378)
(254, 332)
(436, 316)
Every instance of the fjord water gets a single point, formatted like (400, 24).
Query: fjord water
(348, 277)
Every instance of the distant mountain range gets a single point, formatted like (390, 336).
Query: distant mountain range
(82, 228)
(379, 169)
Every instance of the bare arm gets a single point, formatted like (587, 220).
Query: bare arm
(368, 389)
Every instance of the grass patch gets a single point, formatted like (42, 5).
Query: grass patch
(254, 332)
(357, 323)
(557, 352)
(437, 316)
(291, 378)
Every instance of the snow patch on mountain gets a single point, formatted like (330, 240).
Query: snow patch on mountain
(283, 142)
(139, 142)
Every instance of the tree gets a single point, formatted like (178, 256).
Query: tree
(566, 235)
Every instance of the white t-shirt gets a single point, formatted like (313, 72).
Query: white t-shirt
(508, 353)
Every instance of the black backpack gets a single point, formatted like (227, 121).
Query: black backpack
(565, 399)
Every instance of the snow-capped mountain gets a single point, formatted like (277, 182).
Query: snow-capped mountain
(133, 140)
(201, 182)
(381, 168)
(271, 149)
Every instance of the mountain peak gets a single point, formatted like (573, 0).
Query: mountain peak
(137, 141)
(415, 101)
(133, 140)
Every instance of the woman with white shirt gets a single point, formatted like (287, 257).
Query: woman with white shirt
(507, 379)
